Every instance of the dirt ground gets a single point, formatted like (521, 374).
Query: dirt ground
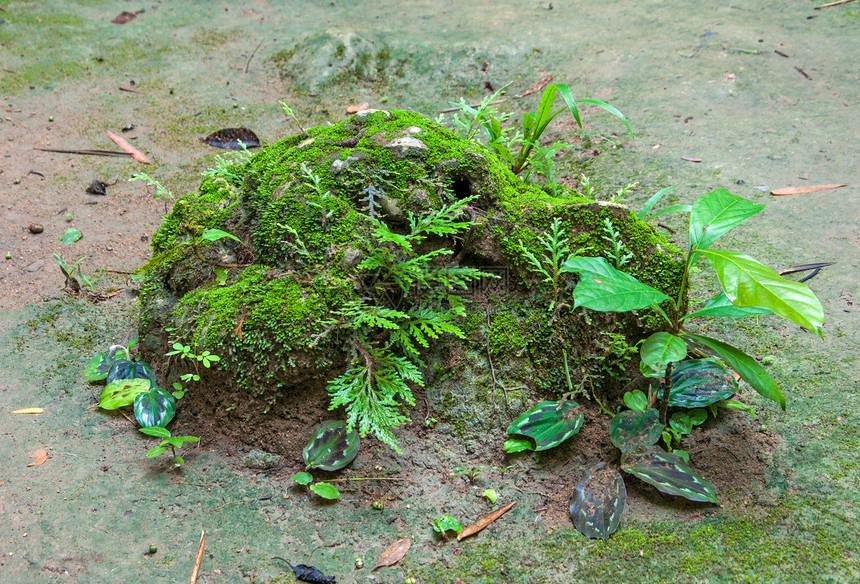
(763, 95)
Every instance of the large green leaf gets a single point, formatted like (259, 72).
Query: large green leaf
(601, 287)
(549, 423)
(701, 382)
(631, 429)
(720, 305)
(658, 350)
(98, 367)
(122, 392)
(745, 366)
(610, 108)
(747, 282)
(332, 446)
(598, 502)
(128, 369)
(715, 213)
(155, 407)
(669, 473)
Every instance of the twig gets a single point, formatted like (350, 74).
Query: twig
(130, 90)
(87, 152)
(804, 73)
(667, 388)
(252, 55)
(832, 4)
(370, 479)
(199, 558)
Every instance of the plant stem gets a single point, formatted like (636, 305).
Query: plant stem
(667, 387)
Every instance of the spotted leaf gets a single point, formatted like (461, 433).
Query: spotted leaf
(631, 429)
(701, 382)
(128, 369)
(598, 502)
(669, 473)
(549, 423)
(332, 446)
(155, 407)
(98, 367)
(122, 392)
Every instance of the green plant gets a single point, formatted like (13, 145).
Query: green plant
(169, 442)
(225, 166)
(160, 191)
(469, 474)
(490, 495)
(547, 425)
(543, 163)
(534, 124)
(470, 119)
(410, 302)
(556, 244)
(332, 446)
(445, 523)
(618, 252)
(68, 272)
(288, 111)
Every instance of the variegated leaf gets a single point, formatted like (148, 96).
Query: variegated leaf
(631, 429)
(668, 473)
(701, 382)
(549, 423)
(332, 446)
(598, 502)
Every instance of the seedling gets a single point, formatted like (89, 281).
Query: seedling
(169, 443)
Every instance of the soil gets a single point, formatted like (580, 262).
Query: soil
(763, 94)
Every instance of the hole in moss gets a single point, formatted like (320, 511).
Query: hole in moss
(461, 189)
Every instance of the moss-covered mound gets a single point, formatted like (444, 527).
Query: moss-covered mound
(348, 244)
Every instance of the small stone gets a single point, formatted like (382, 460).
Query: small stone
(354, 108)
(35, 266)
(34, 228)
(260, 459)
(406, 145)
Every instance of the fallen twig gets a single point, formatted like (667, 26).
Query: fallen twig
(130, 90)
(135, 153)
(199, 557)
(832, 4)
(484, 521)
(87, 152)
(252, 55)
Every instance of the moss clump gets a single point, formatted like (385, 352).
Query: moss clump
(306, 210)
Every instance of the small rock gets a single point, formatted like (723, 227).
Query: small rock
(406, 145)
(260, 459)
(35, 266)
(34, 228)
(354, 108)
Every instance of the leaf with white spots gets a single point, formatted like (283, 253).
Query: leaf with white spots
(598, 502)
(332, 446)
(549, 423)
(669, 473)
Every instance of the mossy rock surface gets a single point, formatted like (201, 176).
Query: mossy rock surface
(268, 306)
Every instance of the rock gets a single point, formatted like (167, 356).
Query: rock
(261, 459)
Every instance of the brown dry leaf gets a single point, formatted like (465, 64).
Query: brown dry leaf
(199, 558)
(29, 411)
(135, 153)
(800, 190)
(39, 457)
(535, 87)
(458, 581)
(691, 159)
(354, 108)
(484, 521)
(393, 553)
(126, 16)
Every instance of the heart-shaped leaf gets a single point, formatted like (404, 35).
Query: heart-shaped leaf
(155, 407)
(129, 369)
(701, 382)
(302, 478)
(98, 367)
(122, 392)
(332, 446)
(598, 502)
(681, 423)
(636, 400)
(669, 473)
(326, 491)
(631, 429)
(549, 423)
(658, 350)
(601, 287)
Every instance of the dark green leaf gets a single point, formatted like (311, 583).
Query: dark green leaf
(156, 431)
(669, 473)
(602, 287)
(747, 282)
(700, 382)
(303, 478)
(332, 446)
(155, 407)
(636, 400)
(745, 366)
(122, 392)
(326, 491)
(98, 367)
(598, 502)
(715, 213)
(70, 236)
(631, 429)
(720, 305)
(128, 369)
(658, 351)
(446, 523)
(513, 445)
(681, 423)
(549, 423)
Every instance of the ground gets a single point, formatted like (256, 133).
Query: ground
(763, 94)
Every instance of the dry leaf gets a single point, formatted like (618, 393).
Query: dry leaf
(800, 190)
(458, 581)
(393, 553)
(691, 159)
(354, 108)
(135, 153)
(535, 87)
(484, 521)
(29, 411)
(125, 16)
(39, 457)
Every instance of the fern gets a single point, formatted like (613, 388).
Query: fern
(556, 246)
